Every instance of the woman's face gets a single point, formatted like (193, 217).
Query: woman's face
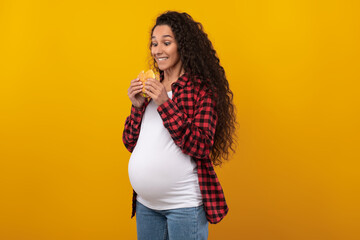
(164, 48)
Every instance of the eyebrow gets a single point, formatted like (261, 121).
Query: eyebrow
(163, 36)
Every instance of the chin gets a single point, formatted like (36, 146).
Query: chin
(162, 68)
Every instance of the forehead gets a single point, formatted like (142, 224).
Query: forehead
(162, 31)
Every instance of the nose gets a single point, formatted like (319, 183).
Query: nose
(157, 51)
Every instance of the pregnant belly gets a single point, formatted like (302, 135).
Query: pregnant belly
(156, 178)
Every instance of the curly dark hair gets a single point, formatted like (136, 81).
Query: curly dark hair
(200, 59)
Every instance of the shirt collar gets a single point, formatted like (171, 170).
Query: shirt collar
(182, 80)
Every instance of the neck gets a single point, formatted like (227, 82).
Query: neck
(172, 75)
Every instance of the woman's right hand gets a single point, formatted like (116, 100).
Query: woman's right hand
(134, 93)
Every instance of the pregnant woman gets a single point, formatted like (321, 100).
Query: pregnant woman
(179, 133)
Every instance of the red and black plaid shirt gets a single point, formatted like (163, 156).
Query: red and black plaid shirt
(190, 118)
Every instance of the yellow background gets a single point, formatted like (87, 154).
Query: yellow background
(293, 66)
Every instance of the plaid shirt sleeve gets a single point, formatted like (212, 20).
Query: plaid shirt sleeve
(132, 127)
(191, 120)
(194, 135)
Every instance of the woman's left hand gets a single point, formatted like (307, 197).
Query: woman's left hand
(156, 90)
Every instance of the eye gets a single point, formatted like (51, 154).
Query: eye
(154, 44)
(167, 43)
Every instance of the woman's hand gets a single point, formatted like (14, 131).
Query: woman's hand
(156, 90)
(135, 93)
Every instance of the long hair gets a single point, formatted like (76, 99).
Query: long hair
(199, 58)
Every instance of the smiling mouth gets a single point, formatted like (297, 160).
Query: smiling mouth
(162, 59)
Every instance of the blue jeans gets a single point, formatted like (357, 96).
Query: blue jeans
(174, 224)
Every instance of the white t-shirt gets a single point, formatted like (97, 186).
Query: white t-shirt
(160, 173)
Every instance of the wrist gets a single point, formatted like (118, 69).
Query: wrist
(137, 107)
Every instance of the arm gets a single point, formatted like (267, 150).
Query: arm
(132, 123)
(132, 127)
(194, 135)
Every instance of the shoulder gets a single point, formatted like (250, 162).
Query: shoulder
(195, 82)
(195, 86)
(202, 87)
(203, 94)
